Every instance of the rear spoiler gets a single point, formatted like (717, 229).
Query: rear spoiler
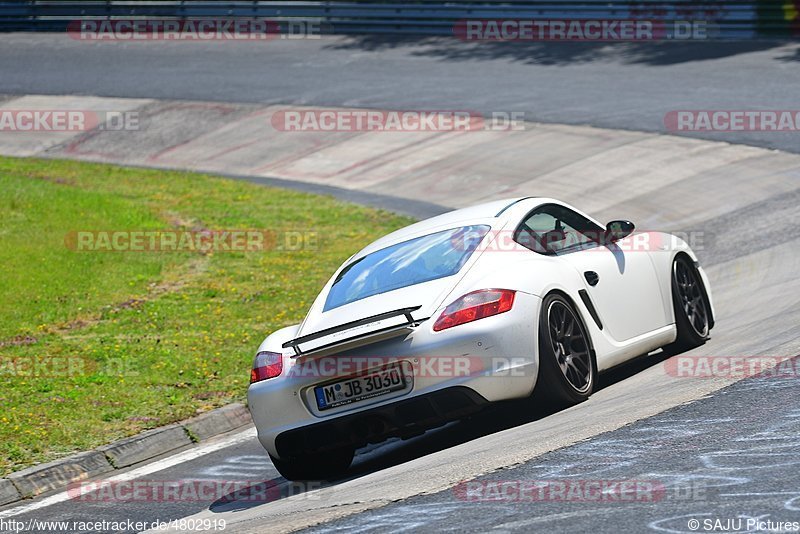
(357, 340)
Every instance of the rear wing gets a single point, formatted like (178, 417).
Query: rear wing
(356, 333)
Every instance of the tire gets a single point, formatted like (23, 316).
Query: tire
(690, 304)
(323, 466)
(567, 367)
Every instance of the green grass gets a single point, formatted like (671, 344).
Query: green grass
(125, 341)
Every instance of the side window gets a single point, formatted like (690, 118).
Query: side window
(554, 229)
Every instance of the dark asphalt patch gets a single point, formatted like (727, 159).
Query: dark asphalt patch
(735, 455)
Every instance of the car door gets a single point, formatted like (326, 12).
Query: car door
(621, 284)
(623, 287)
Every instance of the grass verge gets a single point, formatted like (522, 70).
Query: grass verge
(98, 345)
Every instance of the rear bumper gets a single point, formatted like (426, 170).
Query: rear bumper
(499, 353)
(402, 419)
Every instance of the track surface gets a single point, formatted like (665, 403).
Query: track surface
(749, 209)
(623, 85)
(729, 457)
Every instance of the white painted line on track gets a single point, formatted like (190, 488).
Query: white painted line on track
(160, 465)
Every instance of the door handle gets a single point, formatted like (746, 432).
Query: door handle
(591, 277)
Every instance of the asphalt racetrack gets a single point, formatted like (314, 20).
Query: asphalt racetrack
(629, 86)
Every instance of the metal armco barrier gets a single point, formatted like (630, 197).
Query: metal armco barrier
(726, 19)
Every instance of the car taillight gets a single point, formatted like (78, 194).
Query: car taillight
(266, 365)
(474, 306)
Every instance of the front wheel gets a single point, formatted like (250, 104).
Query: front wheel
(567, 370)
(690, 306)
(319, 466)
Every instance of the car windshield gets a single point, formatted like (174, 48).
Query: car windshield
(405, 264)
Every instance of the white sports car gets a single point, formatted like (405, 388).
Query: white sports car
(511, 299)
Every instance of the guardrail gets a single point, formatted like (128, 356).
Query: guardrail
(729, 19)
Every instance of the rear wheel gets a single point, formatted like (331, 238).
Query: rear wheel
(567, 370)
(692, 317)
(318, 466)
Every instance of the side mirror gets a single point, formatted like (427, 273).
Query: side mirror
(616, 230)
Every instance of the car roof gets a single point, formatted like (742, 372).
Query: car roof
(487, 210)
(478, 214)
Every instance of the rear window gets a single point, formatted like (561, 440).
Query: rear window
(405, 264)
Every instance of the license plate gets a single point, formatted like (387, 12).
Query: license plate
(360, 388)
